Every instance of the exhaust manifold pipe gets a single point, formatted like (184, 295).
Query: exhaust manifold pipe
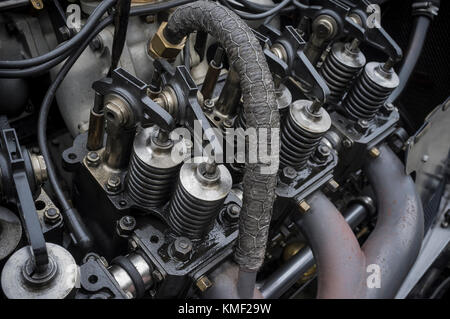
(392, 248)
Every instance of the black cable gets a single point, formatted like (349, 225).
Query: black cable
(66, 46)
(255, 7)
(60, 11)
(35, 70)
(70, 215)
(421, 25)
(257, 16)
(120, 32)
(154, 8)
(300, 5)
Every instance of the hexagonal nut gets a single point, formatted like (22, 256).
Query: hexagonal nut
(387, 108)
(126, 225)
(288, 174)
(181, 248)
(362, 126)
(303, 207)
(322, 152)
(203, 283)
(92, 159)
(113, 184)
(159, 47)
(374, 152)
(332, 185)
(231, 214)
(52, 216)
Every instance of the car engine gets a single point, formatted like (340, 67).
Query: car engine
(224, 149)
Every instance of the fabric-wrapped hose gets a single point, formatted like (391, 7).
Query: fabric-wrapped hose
(260, 109)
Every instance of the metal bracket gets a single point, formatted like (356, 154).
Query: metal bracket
(297, 65)
(25, 202)
(134, 91)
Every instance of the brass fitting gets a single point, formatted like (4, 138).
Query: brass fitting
(304, 207)
(374, 152)
(160, 47)
(203, 283)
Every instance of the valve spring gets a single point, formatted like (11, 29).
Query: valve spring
(150, 186)
(199, 196)
(190, 216)
(297, 144)
(340, 68)
(370, 91)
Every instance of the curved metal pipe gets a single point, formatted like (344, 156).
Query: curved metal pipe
(393, 246)
(290, 272)
(340, 261)
(396, 240)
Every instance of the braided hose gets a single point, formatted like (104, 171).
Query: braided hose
(260, 108)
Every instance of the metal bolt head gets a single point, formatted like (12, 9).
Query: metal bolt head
(52, 215)
(374, 152)
(387, 108)
(322, 153)
(304, 207)
(208, 105)
(288, 174)
(113, 184)
(126, 225)
(181, 248)
(232, 213)
(92, 159)
(362, 126)
(203, 283)
(96, 44)
(333, 185)
(347, 143)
